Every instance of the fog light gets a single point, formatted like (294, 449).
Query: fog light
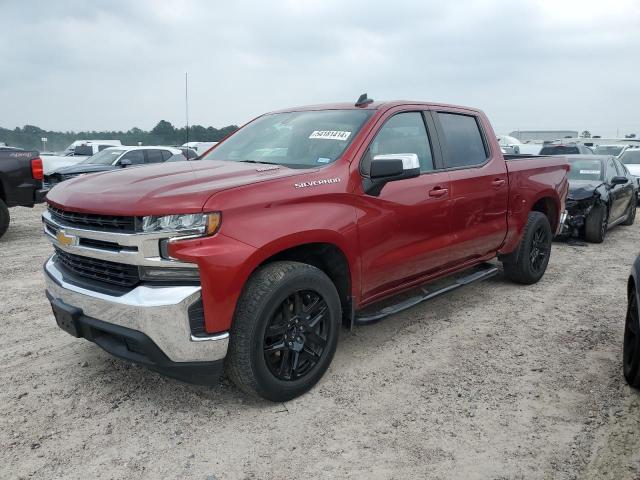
(166, 274)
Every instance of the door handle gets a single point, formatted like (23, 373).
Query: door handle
(498, 182)
(438, 192)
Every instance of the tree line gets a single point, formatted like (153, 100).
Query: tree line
(164, 133)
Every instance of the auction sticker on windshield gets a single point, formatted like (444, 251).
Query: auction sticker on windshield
(590, 172)
(330, 134)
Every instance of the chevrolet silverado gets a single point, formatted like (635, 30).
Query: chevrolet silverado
(301, 220)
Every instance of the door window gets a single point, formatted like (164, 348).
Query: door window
(462, 140)
(611, 170)
(402, 133)
(135, 156)
(154, 156)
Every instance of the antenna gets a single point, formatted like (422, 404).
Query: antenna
(186, 101)
(363, 100)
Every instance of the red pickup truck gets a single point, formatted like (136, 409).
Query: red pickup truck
(301, 220)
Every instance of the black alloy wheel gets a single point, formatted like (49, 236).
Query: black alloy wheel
(296, 335)
(285, 331)
(540, 248)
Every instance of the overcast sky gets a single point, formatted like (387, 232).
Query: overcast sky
(534, 64)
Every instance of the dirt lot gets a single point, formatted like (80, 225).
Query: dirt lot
(492, 381)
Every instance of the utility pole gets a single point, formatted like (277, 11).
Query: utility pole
(186, 101)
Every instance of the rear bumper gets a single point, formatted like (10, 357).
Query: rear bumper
(41, 195)
(154, 318)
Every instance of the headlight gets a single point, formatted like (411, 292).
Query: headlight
(186, 224)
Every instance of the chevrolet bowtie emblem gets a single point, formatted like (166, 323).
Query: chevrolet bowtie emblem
(65, 239)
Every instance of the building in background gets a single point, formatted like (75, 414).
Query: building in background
(542, 135)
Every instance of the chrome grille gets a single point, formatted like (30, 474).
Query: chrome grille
(113, 273)
(109, 223)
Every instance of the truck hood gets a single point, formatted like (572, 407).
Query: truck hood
(162, 189)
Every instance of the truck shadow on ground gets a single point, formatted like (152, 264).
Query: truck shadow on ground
(120, 381)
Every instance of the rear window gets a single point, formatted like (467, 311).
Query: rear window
(608, 150)
(84, 150)
(589, 170)
(463, 140)
(559, 150)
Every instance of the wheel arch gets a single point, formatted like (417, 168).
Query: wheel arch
(324, 255)
(550, 207)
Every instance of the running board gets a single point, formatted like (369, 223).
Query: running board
(487, 270)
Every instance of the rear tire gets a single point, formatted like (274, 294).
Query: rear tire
(533, 251)
(595, 228)
(631, 214)
(631, 346)
(285, 331)
(5, 218)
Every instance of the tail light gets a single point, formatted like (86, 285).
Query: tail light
(37, 172)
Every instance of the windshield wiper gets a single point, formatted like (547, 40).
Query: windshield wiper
(258, 161)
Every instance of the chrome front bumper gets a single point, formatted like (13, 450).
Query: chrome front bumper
(160, 312)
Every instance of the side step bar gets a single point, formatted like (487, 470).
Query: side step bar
(487, 270)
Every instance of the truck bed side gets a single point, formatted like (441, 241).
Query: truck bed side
(535, 183)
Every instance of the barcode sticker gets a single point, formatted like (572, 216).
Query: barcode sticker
(330, 134)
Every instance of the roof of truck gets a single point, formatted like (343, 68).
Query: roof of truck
(370, 106)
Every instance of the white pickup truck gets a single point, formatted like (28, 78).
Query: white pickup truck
(75, 153)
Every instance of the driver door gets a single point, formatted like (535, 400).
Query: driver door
(404, 233)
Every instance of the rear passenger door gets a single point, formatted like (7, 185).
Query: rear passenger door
(479, 185)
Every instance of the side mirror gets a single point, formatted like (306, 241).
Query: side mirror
(125, 162)
(619, 180)
(390, 168)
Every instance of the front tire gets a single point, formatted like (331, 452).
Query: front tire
(534, 250)
(5, 218)
(285, 331)
(631, 346)
(595, 228)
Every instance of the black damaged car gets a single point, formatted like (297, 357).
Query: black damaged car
(602, 194)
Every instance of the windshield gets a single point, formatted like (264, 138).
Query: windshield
(608, 150)
(589, 170)
(105, 157)
(294, 139)
(631, 157)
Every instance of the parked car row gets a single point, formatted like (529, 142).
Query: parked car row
(113, 158)
(302, 220)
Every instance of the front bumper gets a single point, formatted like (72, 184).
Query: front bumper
(158, 314)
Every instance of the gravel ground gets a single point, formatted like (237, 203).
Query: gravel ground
(493, 381)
